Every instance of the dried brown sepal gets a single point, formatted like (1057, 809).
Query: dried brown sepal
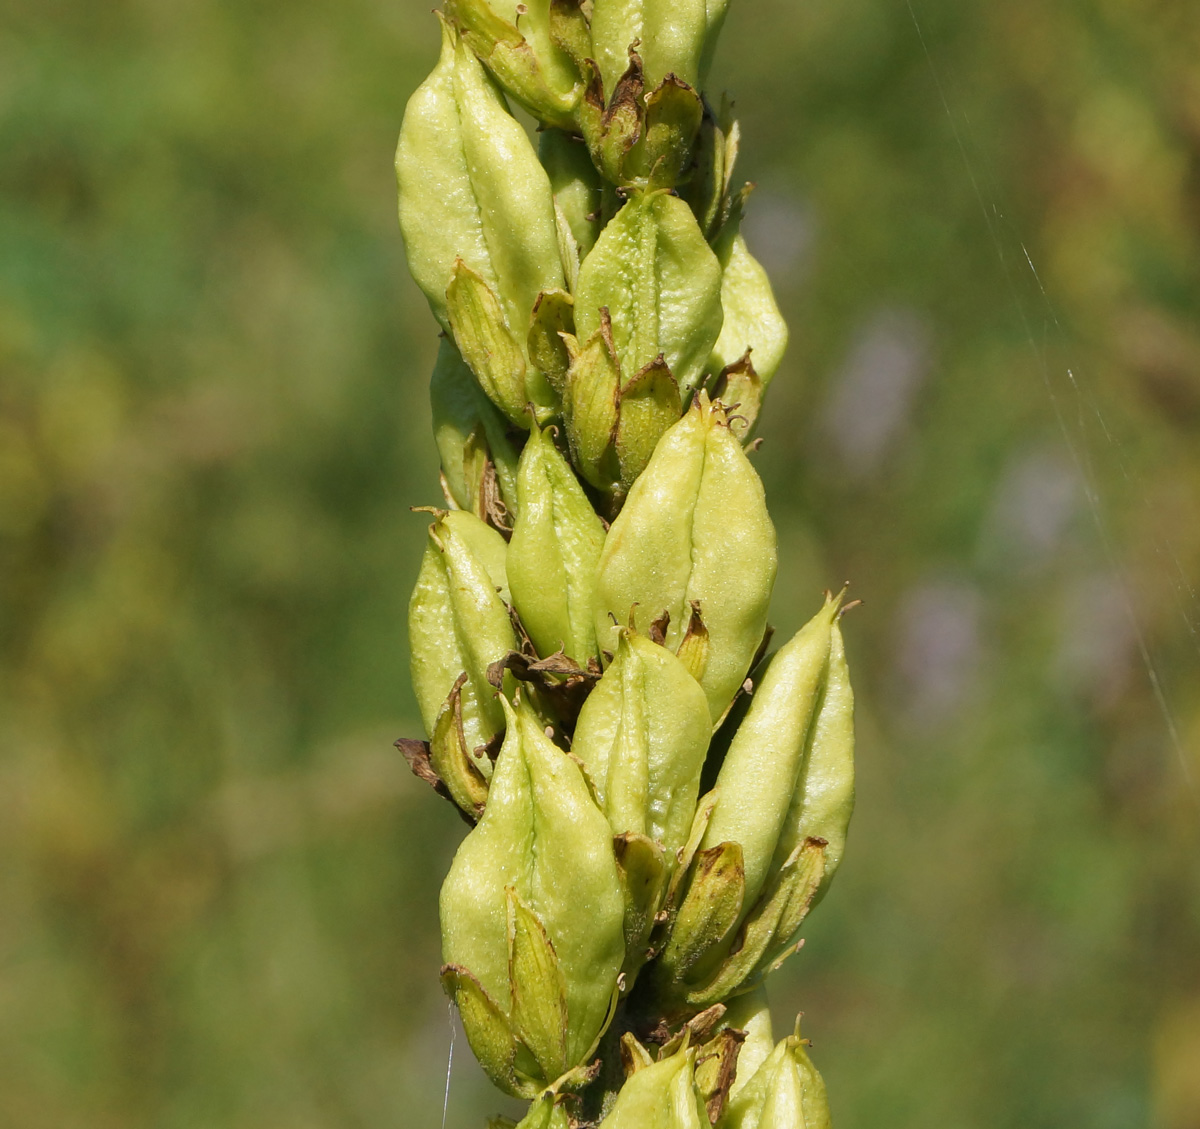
(416, 753)
(658, 628)
(452, 760)
(740, 389)
(560, 681)
(696, 1030)
(716, 1068)
(634, 1056)
(495, 512)
(612, 130)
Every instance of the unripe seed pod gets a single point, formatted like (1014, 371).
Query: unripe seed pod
(757, 783)
(528, 62)
(642, 734)
(555, 548)
(778, 820)
(823, 799)
(752, 318)
(786, 1092)
(673, 37)
(532, 916)
(469, 433)
(694, 528)
(662, 1095)
(457, 623)
(471, 188)
(658, 278)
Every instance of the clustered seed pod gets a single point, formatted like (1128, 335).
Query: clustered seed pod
(588, 626)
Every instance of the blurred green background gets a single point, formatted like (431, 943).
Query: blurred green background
(218, 881)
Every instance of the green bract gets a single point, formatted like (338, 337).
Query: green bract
(458, 624)
(555, 548)
(528, 63)
(470, 434)
(532, 916)
(694, 536)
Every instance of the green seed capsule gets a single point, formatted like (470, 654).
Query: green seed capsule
(654, 272)
(780, 810)
(470, 434)
(528, 63)
(823, 800)
(757, 783)
(752, 318)
(786, 1092)
(662, 1095)
(471, 188)
(694, 529)
(552, 558)
(642, 734)
(672, 34)
(532, 916)
(457, 623)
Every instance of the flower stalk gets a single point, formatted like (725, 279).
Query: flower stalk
(589, 625)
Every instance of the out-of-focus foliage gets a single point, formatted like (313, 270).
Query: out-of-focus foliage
(218, 884)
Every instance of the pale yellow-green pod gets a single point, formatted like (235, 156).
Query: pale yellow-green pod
(458, 623)
(553, 554)
(657, 277)
(643, 733)
(694, 531)
(532, 915)
(471, 188)
(672, 37)
(752, 317)
(660, 1096)
(469, 432)
(762, 769)
(785, 1092)
(823, 799)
